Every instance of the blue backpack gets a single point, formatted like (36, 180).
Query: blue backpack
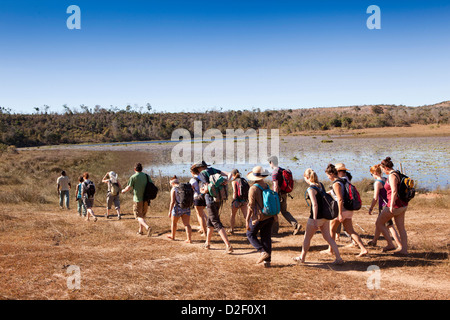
(271, 201)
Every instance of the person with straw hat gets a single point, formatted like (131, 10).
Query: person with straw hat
(113, 194)
(256, 221)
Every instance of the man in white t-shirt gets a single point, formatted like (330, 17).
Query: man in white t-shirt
(63, 188)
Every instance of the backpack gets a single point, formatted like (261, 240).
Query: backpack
(185, 195)
(114, 189)
(330, 209)
(405, 187)
(288, 181)
(151, 191)
(271, 201)
(217, 185)
(352, 199)
(242, 189)
(90, 188)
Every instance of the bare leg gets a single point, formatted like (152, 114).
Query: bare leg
(348, 225)
(187, 226)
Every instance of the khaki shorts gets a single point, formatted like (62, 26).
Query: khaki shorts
(319, 222)
(396, 212)
(140, 209)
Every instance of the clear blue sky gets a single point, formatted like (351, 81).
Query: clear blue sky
(198, 55)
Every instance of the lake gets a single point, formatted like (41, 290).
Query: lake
(424, 159)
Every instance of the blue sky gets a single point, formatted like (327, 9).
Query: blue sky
(199, 55)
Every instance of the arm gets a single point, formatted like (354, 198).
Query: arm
(128, 188)
(76, 190)
(312, 196)
(105, 180)
(233, 184)
(172, 201)
(393, 183)
(251, 205)
(275, 186)
(376, 192)
(340, 199)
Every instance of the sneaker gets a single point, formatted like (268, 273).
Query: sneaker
(229, 250)
(266, 264)
(264, 255)
(206, 246)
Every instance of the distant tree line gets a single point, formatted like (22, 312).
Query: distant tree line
(112, 125)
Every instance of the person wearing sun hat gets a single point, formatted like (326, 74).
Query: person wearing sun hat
(343, 172)
(256, 221)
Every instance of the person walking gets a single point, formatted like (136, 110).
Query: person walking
(88, 193)
(199, 202)
(277, 179)
(238, 203)
(213, 206)
(113, 193)
(81, 208)
(176, 212)
(316, 220)
(137, 183)
(380, 197)
(256, 222)
(63, 187)
(395, 208)
(345, 216)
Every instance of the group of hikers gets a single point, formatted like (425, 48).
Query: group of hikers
(260, 205)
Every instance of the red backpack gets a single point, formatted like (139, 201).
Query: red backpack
(287, 184)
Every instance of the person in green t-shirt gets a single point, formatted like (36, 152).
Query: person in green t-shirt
(137, 183)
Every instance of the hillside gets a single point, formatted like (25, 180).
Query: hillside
(103, 125)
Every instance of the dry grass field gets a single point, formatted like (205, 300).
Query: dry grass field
(39, 241)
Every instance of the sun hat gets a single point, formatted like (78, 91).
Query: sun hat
(340, 167)
(257, 174)
(113, 176)
(200, 164)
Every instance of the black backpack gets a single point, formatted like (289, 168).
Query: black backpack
(90, 188)
(405, 187)
(242, 189)
(185, 195)
(151, 191)
(330, 209)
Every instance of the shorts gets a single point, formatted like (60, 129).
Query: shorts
(347, 214)
(213, 219)
(88, 203)
(178, 212)
(140, 209)
(238, 203)
(110, 199)
(319, 222)
(200, 201)
(396, 212)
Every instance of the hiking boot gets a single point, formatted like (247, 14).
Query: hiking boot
(264, 255)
